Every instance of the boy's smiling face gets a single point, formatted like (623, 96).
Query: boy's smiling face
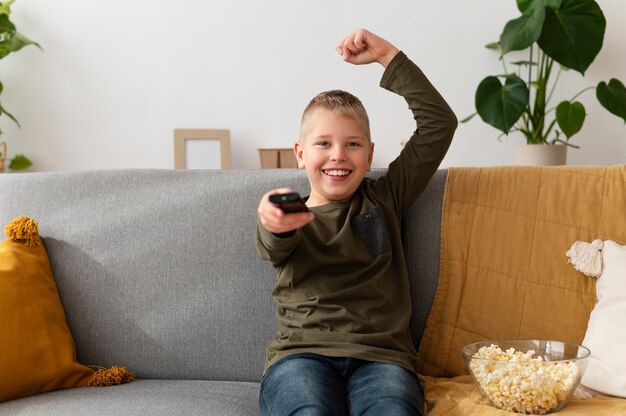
(336, 154)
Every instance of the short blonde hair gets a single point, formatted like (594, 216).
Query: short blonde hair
(341, 103)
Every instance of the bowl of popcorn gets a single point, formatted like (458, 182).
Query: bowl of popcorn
(526, 376)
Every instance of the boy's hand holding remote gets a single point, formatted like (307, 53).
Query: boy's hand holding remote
(275, 220)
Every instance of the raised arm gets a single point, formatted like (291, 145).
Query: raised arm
(435, 122)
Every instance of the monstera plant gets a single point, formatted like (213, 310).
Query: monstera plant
(11, 41)
(558, 35)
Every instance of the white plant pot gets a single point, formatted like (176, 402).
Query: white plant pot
(540, 155)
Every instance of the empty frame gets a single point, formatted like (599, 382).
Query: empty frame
(202, 149)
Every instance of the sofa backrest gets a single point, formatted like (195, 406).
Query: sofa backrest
(157, 270)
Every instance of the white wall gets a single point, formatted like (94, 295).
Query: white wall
(116, 77)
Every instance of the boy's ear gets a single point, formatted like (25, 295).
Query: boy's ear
(370, 158)
(297, 149)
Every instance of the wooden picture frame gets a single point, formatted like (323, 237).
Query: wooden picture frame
(213, 143)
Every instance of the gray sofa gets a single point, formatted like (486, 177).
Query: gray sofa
(157, 271)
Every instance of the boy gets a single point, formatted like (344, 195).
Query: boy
(343, 344)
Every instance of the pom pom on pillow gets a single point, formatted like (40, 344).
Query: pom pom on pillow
(587, 257)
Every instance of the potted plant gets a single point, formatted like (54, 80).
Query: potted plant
(10, 41)
(568, 33)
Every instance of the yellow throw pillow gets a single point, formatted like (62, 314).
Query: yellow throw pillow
(37, 352)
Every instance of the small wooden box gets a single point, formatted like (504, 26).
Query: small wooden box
(278, 158)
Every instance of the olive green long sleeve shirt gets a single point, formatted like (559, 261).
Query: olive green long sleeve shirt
(342, 285)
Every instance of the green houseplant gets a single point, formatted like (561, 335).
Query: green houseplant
(568, 33)
(11, 41)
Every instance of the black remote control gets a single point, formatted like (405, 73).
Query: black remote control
(290, 202)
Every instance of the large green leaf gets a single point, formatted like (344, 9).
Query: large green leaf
(573, 34)
(613, 97)
(20, 162)
(570, 117)
(501, 105)
(523, 5)
(520, 33)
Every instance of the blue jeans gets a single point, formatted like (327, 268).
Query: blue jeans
(310, 384)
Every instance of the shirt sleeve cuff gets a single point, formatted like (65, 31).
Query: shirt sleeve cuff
(276, 241)
(390, 71)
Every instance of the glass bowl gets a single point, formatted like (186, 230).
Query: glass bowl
(526, 376)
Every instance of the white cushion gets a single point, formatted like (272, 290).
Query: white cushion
(606, 332)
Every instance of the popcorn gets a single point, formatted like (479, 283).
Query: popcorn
(520, 382)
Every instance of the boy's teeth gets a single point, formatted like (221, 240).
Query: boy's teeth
(336, 172)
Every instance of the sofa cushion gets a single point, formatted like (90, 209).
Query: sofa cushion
(37, 351)
(503, 271)
(605, 336)
(144, 397)
(421, 233)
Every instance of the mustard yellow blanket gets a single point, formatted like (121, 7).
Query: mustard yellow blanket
(504, 273)
(458, 396)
